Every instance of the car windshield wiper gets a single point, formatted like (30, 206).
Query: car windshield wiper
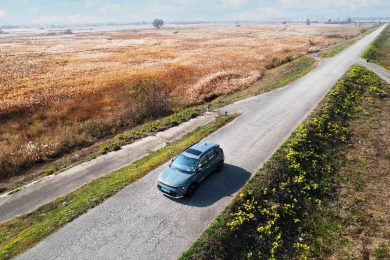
(180, 169)
(173, 167)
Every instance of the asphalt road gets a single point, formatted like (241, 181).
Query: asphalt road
(140, 223)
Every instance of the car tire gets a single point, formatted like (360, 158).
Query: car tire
(191, 190)
(220, 166)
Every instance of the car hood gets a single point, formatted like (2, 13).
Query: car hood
(174, 178)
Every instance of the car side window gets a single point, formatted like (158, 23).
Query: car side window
(211, 155)
(203, 161)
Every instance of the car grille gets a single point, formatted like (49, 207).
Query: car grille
(166, 185)
(171, 192)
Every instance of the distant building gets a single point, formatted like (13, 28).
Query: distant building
(348, 20)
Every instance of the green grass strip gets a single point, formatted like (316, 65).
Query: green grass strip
(298, 68)
(23, 232)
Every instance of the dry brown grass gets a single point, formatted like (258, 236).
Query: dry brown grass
(364, 200)
(62, 92)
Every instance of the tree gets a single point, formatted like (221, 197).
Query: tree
(308, 21)
(68, 31)
(158, 23)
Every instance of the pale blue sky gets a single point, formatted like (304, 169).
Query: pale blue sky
(30, 12)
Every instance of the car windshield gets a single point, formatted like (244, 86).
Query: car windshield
(184, 163)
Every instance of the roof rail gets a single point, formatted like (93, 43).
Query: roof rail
(189, 146)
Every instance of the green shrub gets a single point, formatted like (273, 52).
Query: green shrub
(192, 112)
(115, 145)
(371, 53)
(173, 120)
(104, 149)
(121, 137)
(49, 170)
(381, 93)
(135, 134)
(154, 126)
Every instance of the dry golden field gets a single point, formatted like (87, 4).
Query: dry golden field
(65, 91)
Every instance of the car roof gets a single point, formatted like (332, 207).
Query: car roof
(198, 149)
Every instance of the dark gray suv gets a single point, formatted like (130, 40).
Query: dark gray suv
(189, 168)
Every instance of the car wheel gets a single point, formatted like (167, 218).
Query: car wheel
(191, 190)
(220, 166)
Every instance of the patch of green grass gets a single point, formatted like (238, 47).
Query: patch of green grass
(120, 137)
(115, 145)
(342, 46)
(104, 148)
(23, 232)
(49, 170)
(327, 227)
(381, 93)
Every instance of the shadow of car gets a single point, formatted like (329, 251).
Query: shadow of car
(216, 186)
